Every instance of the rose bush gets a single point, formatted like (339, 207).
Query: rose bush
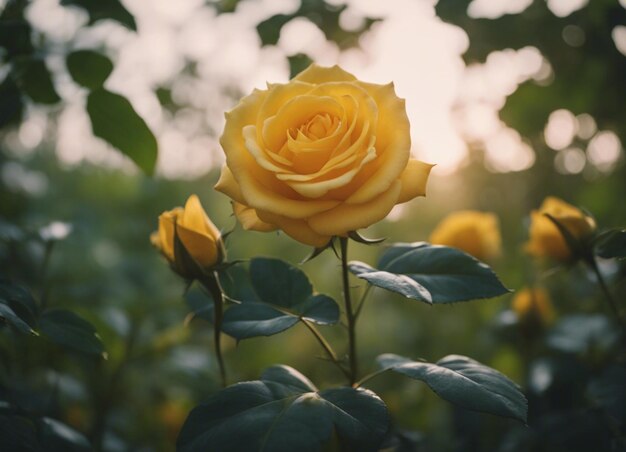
(545, 238)
(320, 156)
(476, 233)
(197, 233)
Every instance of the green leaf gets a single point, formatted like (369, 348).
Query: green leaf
(464, 382)
(34, 79)
(431, 273)
(104, 9)
(114, 120)
(19, 299)
(256, 319)
(9, 316)
(611, 244)
(88, 68)
(71, 331)
(284, 412)
(279, 283)
(284, 295)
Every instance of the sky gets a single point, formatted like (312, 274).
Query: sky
(450, 105)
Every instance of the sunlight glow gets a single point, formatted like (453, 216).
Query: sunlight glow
(448, 103)
(604, 150)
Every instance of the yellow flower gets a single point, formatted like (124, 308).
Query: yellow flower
(196, 232)
(533, 304)
(476, 233)
(320, 156)
(545, 238)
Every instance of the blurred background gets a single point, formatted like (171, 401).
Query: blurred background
(514, 100)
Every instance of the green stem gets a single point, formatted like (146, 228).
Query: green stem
(326, 346)
(368, 377)
(212, 285)
(349, 313)
(594, 266)
(362, 300)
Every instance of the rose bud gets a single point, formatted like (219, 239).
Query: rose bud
(546, 240)
(200, 239)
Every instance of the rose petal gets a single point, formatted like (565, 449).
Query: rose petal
(296, 229)
(195, 218)
(201, 247)
(317, 189)
(166, 231)
(228, 185)
(319, 74)
(350, 217)
(249, 219)
(393, 144)
(414, 178)
(259, 188)
(295, 113)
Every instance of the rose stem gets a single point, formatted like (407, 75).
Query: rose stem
(594, 266)
(349, 314)
(326, 346)
(218, 305)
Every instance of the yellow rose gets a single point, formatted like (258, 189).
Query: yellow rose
(533, 304)
(197, 233)
(476, 233)
(320, 156)
(545, 238)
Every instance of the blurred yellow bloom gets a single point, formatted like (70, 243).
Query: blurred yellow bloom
(197, 233)
(545, 238)
(320, 156)
(476, 233)
(534, 304)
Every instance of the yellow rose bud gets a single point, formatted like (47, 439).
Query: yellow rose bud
(320, 156)
(196, 232)
(545, 238)
(476, 233)
(534, 305)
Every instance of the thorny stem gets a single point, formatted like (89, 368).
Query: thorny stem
(351, 318)
(326, 346)
(210, 282)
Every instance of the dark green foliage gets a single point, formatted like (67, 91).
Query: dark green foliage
(88, 68)
(298, 63)
(284, 412)
(34, 79)
(283, 296)
(104, 9)
(580, 72)
(114, 120)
